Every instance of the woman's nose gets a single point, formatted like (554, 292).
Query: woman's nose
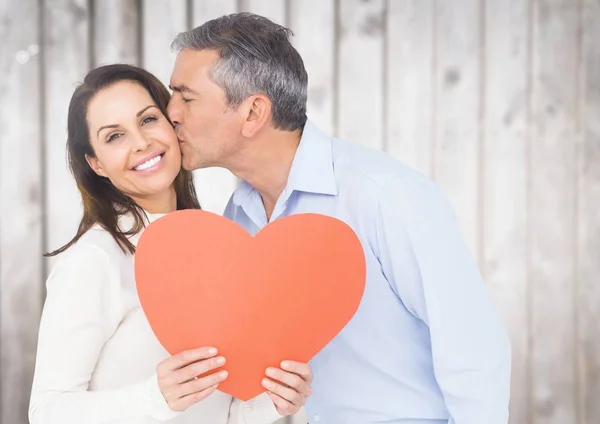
(141, 141)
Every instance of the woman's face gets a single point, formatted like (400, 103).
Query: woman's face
(135, 146)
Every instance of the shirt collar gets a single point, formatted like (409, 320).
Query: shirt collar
(312, 168)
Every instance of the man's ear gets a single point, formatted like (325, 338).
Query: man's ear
(95, 165)
(257, 111)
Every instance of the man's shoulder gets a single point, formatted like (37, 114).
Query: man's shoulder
(371, 167)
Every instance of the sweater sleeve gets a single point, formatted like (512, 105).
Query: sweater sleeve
(81, 312)
(259, 410)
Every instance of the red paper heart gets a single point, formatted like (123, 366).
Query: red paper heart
(286, 293)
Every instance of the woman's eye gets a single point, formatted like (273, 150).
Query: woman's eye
(113, 137)
(186, 100)
(148, 119)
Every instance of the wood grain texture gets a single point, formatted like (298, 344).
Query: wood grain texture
(505, 160)
(67, 59)
(360, 82)
(312, 22)
(272, 9)
(205, 10)
(551, 210)
(588, 246)
(457, 111)
(21, 226)
(213, 185)
(116, 26)
(162, 20)
(409, 78)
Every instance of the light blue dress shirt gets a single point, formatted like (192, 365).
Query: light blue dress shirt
(426, 345)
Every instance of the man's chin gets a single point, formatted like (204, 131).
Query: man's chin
(189, 165)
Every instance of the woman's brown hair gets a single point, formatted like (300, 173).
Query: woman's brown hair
(103, 203)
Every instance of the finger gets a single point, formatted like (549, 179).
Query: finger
(287, 393)
(197, 369)
(299, 368)
(187, 357)
(200, 384)
(287, 378)
(185, 402)
(283, 406)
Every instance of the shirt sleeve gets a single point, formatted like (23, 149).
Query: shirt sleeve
(259, 410)
(81, 312)
(430, 268)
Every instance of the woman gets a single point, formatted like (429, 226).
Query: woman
(98, 360)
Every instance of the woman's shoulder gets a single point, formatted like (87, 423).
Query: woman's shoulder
(99, 242)
(87, 278)
(95, 251)
(98, 248)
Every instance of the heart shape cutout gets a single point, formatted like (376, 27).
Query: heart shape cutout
(285, 293)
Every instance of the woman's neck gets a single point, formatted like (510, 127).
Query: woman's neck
(160, 203)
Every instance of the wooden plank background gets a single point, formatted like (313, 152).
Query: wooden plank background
(21, 217)
(497, 101)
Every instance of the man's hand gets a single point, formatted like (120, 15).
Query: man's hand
(289, 386)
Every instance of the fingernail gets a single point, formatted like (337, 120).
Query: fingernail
(266, 382)
(220, 361)
(285, 364)
(212, 351)
(223, 374)
(270, 372)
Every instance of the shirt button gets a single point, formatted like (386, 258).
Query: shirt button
(316, 418)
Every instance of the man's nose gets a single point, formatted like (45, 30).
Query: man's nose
(173, 112)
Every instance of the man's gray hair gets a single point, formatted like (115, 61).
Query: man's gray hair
(256, 57)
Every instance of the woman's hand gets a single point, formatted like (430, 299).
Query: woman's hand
(178, 381)
(289, 386)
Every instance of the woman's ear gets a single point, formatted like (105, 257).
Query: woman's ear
(95, 165)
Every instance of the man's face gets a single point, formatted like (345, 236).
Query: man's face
(209, 131)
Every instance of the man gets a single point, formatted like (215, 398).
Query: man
(426, 345)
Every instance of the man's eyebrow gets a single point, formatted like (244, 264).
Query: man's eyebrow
(182, 89)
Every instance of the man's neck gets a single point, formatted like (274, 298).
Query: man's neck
(265, 164)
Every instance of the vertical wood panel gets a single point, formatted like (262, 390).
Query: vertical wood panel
(116, 27)
(272, 9)
(361, 71)
(21, 228)
(457, 109)
(205, 10)
(213, 185)
(505, 159)
(589, 218)
(552, 211)
(67, 59)
(312, 22)
(409, 87)
(162, 20)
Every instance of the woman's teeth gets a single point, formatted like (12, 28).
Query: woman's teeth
(149, 163)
